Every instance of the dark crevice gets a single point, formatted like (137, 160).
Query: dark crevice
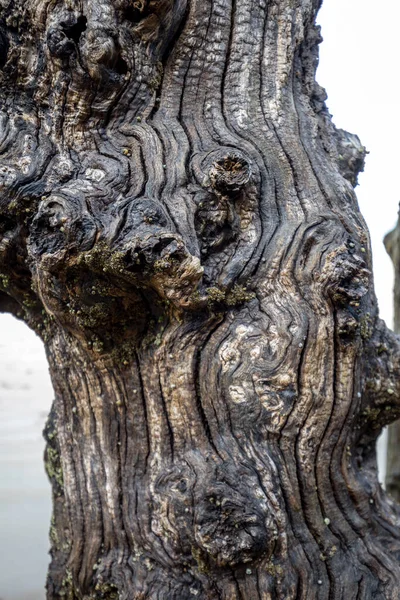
(137, 12)
(145, 411)
(74, 32)
(199, 403)
(121, 66)
(165, 58)
(4, 46)
(167, 419)
(172, 42)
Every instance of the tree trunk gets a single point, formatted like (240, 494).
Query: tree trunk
(179, 224)
(392, 244)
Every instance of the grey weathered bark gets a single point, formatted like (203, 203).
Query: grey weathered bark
(392, 244)
(178, 223)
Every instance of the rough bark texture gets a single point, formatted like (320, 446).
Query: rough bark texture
(178, 222)
(392, 244)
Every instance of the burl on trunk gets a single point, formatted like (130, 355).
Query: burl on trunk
(178, 223)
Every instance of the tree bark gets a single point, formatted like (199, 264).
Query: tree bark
(392, 244)
(179, 224)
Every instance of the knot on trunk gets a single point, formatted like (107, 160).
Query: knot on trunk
(227, 220)
(344, 276)
(229, 172)
(162, 262)
(345, 279)
(215, 514)
(62, 225)
(351, 155)
(63, 38)
(102, 56)
(225, 171)
(232, 526)
(334, 265)
(97, 275)
(98, 48)
(381, 382)
(216, 222)
(154, 255)
(91, 60)
(59, 44)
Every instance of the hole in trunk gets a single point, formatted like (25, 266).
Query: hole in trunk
(136, 12)
(74, 32)
(121, 67)
(3, 47)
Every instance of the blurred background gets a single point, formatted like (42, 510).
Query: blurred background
(358, 67)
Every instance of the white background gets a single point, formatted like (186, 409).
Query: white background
(359, 66)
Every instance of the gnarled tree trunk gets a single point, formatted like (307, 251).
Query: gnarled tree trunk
(178, 222)
(392, 244)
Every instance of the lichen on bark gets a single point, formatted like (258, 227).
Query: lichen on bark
(178, 222)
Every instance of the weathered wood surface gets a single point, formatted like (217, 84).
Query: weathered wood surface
(178, 222)
(392, 244)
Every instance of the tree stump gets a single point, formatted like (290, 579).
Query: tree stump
(178, 223)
